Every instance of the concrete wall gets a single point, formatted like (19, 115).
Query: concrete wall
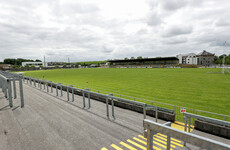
(212, 128)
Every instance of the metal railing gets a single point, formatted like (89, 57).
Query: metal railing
(168, 107)
(188, 116)
(109, 98)
(161, 106)
(196, 140)
(8, 86)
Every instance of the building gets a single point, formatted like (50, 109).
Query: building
(187, 58)
(205, 58)
(5, 66)
(35, 64)
(145, 62)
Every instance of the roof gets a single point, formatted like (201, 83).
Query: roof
(205, 53)
(5, 65)
(145, 59)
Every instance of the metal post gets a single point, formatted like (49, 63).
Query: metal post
(89, 100)
(6, 87)
(189, 124)
(14, 85)
(10, 93)
(144, 111)
(156, 113)
(21, 93)
(44, 85)
(168, 142)
(185, 128)
(47, 86)
(112, 101)
(51, 85)
(56, 89)
(34, 83)
(83, 95)
(107, 106)
(67, 93)
(224, 118)
(72, 94)
(61, 89)
(40, 84)
(149, 139)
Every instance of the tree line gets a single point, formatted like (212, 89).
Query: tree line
(18, 61)
(219, 59)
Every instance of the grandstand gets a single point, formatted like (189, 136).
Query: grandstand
(158, 62)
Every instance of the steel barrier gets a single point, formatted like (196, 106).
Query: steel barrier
(196, 140)
(70, 89)
(7, 80)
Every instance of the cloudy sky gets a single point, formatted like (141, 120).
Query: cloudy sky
(111, 29)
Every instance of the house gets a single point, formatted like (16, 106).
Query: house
(205, 58)
(187, 58)
(5, 66)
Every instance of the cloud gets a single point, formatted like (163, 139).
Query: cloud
(172, 5)
(222, 23)
(101, 30)
(154, 19)
(176, 30)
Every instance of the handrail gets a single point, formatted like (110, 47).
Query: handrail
(207, 119)
(202, 142)
(6, 80)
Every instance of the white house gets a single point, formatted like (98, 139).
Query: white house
(191, 59)
(187, 58)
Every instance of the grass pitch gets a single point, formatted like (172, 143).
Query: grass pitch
(203, 89)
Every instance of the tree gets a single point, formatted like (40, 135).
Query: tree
(126, 58)
(132, 57)
(18, 61)
(139, 57)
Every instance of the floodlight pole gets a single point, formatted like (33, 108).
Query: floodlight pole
(223, 61)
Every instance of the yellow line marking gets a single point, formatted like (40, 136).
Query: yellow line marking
(154, 142)
(104, 148)
(145, 143)
(173, 146)
(128, 146)
(142, 137)
(179, 127)
(171, 138)
(116, 147)
(136, 144)
(166, 140)
(181, 123)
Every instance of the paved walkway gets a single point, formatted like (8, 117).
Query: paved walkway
(53, 123)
